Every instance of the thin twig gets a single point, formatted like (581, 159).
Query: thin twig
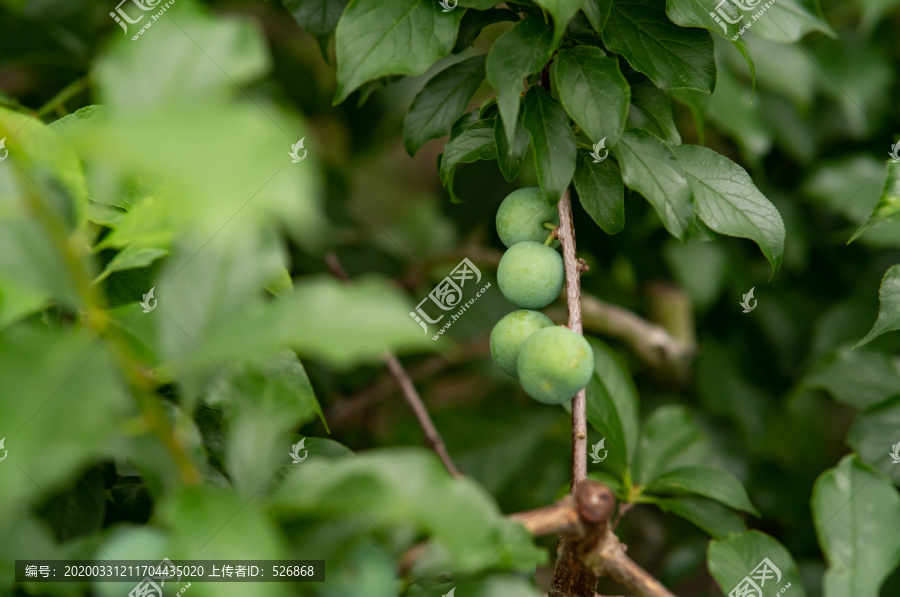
(573, 302)
(432, 437)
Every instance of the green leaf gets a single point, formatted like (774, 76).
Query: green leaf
(361, 321)
(857, 516)
(474, 143)
(696, 13)
(728, 202)
(593, 92)
(871, 434)
(650, 168)
(710, 516)
(705, 481)
(601, 192)
(672, 57)
(474, 21)
(521, 51)
(317, 17)
(511, 156)
(390, 37)
(888, 206)
(597, 13)
(614, 376)
(889, 309)
(408, 489)
(133, 257)
(860, 378)
(603, 416)
(441, 102)
(788, 21)
(552, 141)
(651, 109)
(669, 439)
(735, 559)
(562, 12)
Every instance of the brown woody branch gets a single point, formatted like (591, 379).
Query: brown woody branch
(432, 437)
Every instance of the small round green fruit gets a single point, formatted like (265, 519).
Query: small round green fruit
(522, 214)
(530, 275)
(554, 364)
(510, 333)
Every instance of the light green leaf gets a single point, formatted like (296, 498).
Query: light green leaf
(601, 192)
(696, 13)
(552, 141)
(562, 12)
(521, 51)
(888, 206)
(650, 168)
(860, 378)
(511, 156)
(728, 202)
(593, 92)
(441, 102)
(474, 21)
(706, 481)
(735, 559)
(317, 17)
(872, 434)
(710, 516)
(614, 376)
(787, 21)
(672, 57)
(473, 143)
(889, 309)
(132, 257)
(669, 439)
(857, 516)
(408, 489)
(375, 38)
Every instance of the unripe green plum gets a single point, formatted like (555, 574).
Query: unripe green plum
(510, 333)
(554, 364)
(522, 214)
(530, 274)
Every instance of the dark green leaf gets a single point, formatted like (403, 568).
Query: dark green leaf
(613, 375)
(552, 141)
(672, 57)
(593, 92)
(390, 37)
(651, 109)
(475, 20)
(650, 168)
(441, 102)
(735, 559)
(603, 416)
(712, 517)
(521, 51)
(669, 439)
(511, 156)
(597, 12)
(562, 12)
(728, 202)
(601, 192)
(873, 431)
(860, 378)
(889, 311)
(888, 207)
(318, 17)
(857, 516)
(705, 481)
(473, 143)
(696, 13)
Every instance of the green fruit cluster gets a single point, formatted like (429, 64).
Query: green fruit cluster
(552, 362)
